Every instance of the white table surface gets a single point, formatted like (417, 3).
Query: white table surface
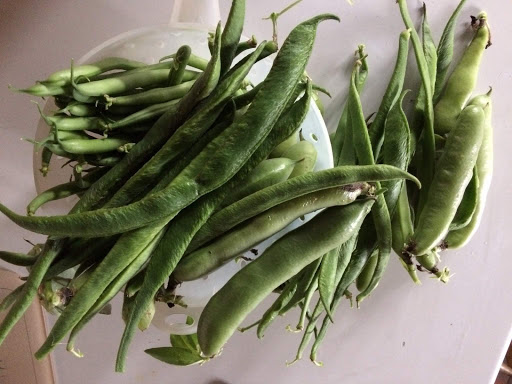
(434, 333)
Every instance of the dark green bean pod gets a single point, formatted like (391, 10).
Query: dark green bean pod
(342, 133)
(380, 212)
(231, 34)
(22, 259)
(396, 149)
(11, 298)
(149, 113)
(445, 51)
(247, 97)
(327, 278)
(46, 156)
(133, 286)
(427, 165)
(185, 136)
(188, 223)
(391, 94)
(223, 314)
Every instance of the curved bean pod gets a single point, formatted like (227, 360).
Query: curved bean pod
(279, 262)
(453, 175)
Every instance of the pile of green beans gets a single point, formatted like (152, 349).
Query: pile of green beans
(181, 170)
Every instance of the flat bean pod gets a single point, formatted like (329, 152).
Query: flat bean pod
(278, 263)
(453, 174)
(462, 81)
(251, 233)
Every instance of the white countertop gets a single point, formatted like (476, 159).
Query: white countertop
(434, 333)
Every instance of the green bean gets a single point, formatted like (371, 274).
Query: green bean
(194, 61)
(81, 251)
(113, 288)
(231, 34)
(175, 356)
(365, 277)
(133, 286)
(96, 68)
(266, 174)
(162, 264)
(129, 246)
(445, 51)
(65, 123)
(46, 156)
(463, 79)
(156, 137)
(305, 153)
(179, 65)
(66, 135)
(245, 45)
(282, 147)
(247, 97)
(92, 146)
(308, 333)
(327, 277)
(429, 49)
(78, 109)
(284, 298)
(44, 90)
(11, 298)
(279, 262)
(355, 266)
(269, 197)
(391, 94)
(467, 206)
(484, 164)
(426, 171)
(185, 136)
(21, 259)
(147, 114)
(251, 233)
(428, 262)
(125, 82)
(454, 173)
(402, 229)
(62, 191)
(380, 212)
(341, 133)
(396, 149)
(307, 276)
(151, 96)
(29, 290)
(307, 301)
(102, 161)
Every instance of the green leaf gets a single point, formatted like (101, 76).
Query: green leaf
(175, 355)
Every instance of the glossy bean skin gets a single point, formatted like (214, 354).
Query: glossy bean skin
(279, 262)
(266, 174)
(92, 146)
(453, 174)
(251, 233)
(282, 147)
(484, 170)
(179, 65)
(462, 81)
(305, 154)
